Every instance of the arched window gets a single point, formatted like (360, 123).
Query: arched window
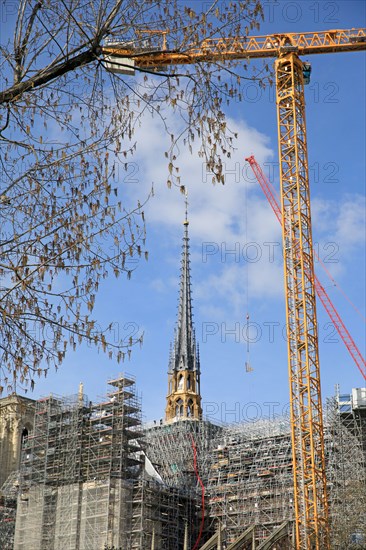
(190, 408)
(181, 382)
(24, 436)
(23, 442)
(189, 382)
(179, 408)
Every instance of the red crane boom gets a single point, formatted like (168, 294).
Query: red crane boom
(334, 316)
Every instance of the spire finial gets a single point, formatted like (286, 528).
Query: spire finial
(186, 222)
(184, 340)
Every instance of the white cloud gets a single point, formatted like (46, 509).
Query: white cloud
(213, 209)
(339, 229)
(230, 215)
(158, 285)
(351, 222)
(343, 222)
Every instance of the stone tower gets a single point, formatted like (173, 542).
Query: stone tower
(184, 398)
(16, 421)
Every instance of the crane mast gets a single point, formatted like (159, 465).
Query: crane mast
(310, 491)
(310, 494)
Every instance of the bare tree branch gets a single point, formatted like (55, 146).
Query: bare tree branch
(67, 132)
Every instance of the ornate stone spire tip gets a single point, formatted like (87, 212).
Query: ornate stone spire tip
(186, 222)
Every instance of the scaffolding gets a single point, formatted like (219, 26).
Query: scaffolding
(250, 478)
(77, 470)
(7, 522)
(169, 447)
(83, 484)
(345, 445)
(250, 482)
(160, 515)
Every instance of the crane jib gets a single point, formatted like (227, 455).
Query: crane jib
(154, 52)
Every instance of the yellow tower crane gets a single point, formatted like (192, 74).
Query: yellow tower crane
(310, 491)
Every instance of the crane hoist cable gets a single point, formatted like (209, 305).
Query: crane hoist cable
(248, 366)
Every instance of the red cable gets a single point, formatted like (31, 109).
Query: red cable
(273, 200)
(202, 493)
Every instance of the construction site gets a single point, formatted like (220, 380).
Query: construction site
(92, 476)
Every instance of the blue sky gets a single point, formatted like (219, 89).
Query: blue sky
(236, 217)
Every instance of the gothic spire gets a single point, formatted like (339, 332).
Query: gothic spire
(184, 397)
(184, 356)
